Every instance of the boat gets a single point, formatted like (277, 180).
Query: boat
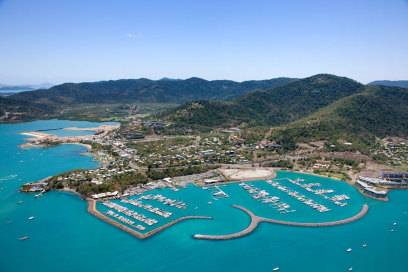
(364, 245)
(20, 202)
(349, 249)
(275, 269)
(31, 218)
(350, 269)
(394, 224)
(22, 238)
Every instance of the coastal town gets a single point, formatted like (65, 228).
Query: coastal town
(136, 159)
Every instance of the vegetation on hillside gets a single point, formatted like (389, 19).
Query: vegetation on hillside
(268, 107)
(145, 90)
(377, 111)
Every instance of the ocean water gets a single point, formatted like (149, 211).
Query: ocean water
(64, 237)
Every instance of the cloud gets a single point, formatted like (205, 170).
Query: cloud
(133, 35)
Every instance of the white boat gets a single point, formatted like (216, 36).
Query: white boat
(350, 269)
(349, 249)
(31, 218)
(275, 269)
(364, 245)
(22, 238)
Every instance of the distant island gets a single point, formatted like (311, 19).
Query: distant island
(391, 83)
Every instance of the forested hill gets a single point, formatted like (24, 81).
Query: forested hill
(145, 90)
(275, 106)
(377, 111)
(391, 83)
(13, 110)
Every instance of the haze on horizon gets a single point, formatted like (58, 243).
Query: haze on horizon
(72, 41)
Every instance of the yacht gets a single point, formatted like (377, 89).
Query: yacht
(22, 238)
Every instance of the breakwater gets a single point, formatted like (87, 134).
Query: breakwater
(255, 220)
(93, 210)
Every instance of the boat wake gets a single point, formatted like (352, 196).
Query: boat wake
(9, 177)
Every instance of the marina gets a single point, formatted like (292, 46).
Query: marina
(265, 198)
(298, 196)
(278, 204)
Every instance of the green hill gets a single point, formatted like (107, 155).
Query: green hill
(13, 110)
(145, 90)
(272, 107)
(377, 111)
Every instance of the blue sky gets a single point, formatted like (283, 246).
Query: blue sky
(85, 40)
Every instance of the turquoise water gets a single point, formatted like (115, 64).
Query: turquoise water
(202, 202)
(64, 237)
(56, 127)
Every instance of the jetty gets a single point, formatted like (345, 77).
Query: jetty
(255, 220)
(93, 210)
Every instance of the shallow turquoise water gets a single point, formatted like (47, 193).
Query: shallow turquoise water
(56, 127)
(64, 237)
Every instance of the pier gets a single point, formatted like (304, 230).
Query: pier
(255, 220)
(93, 210)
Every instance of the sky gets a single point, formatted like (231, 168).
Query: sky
(57, 41)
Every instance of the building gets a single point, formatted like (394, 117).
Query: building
(371, 190)
(386, 182)
(134, 136)
(107, 194)
(397, 177)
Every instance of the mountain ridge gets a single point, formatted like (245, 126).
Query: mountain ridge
(145, 90)
(267, 107)
(376, 111)
(391, 83)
